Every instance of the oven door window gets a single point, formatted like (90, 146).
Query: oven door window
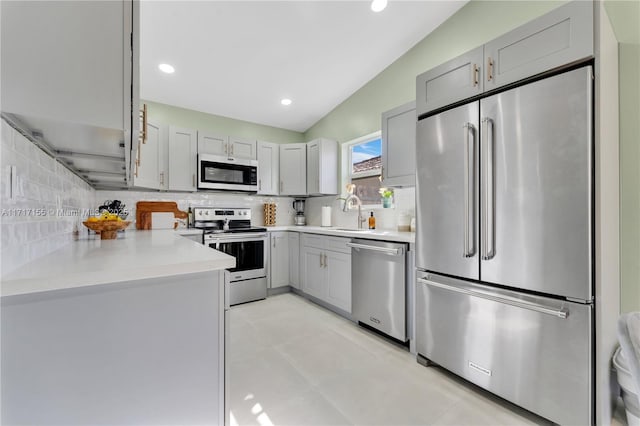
(228, 173)
(249, 254)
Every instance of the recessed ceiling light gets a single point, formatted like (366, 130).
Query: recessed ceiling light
(166, 68)
(286, 101)
(378, 5)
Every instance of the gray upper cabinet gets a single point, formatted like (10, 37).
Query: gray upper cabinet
(242, 148)
(70, 71)
(149, 158)
(399, 146)
(209, 143)
(293, 169)
(268, 168)
(457, 79)
(322, 167)
(560, 37)
(183, 146)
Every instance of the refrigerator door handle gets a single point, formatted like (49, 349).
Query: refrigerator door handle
(468, 248)
(560, 313)
(487, 190)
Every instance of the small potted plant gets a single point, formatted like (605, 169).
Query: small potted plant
(387, 194)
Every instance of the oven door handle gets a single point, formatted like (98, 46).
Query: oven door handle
(238, 238)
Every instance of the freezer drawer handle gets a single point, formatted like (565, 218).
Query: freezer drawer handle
(560, 313)
(391, 251)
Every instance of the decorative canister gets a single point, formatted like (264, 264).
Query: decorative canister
(269, 214)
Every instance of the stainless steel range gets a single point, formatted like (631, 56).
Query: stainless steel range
(229, 230)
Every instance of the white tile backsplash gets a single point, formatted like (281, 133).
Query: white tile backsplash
(284, 205)
(403, 202)
(40, 216)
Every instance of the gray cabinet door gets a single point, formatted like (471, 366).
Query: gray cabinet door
(279, 259)
(294, 259)
(560, 37)
(314, 282)
(209, 143)
(268, 168)
(313, 168)
(453, 81)
(183, 147)
(537, 162)
(399, 146)
(293, 169)
(147, 172)
(447, 192)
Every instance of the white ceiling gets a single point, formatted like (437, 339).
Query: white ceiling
(239, 58)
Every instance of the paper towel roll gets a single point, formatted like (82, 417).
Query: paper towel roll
(326, 215)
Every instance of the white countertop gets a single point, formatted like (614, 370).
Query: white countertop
(139, 255)
(334, 231)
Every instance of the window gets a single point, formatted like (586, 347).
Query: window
(363, 167)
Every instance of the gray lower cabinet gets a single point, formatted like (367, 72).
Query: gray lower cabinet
(279, 264)
(399, 146)
(294, 259)
(326, 269)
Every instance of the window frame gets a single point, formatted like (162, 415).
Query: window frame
(347, 175)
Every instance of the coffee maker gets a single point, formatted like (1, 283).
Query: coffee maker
(299, 219)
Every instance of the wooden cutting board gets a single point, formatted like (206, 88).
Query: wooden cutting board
(145, 208)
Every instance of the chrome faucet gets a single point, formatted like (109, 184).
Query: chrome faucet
(348, 203)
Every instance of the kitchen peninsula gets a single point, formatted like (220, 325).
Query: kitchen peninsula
(125, 331)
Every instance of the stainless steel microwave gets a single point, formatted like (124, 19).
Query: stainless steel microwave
(233, 174)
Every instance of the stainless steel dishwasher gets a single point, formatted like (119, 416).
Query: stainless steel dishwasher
(378, 271)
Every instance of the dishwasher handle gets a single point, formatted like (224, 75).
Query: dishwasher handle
(391, 251)
(560, 313)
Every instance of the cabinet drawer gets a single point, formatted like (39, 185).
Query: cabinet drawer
(490, 336)
(312, 240)
(338, 244)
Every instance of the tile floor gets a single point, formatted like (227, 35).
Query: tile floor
(292, 362)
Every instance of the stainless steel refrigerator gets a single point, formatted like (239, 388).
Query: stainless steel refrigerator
(504, 244)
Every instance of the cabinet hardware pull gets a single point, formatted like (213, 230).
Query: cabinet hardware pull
(144, 124)
(231, 149)
(162, 178)
(321, 265)
(137, 161)
(325, 261)
(489, 69)
(476, 75)
(259, 184)
(194, 180)
(225, 148)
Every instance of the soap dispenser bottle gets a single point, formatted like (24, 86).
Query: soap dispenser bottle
(372, 222)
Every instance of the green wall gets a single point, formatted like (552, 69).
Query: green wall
(473, 25)
(221, 125)
(629, 66)
(625, 20)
